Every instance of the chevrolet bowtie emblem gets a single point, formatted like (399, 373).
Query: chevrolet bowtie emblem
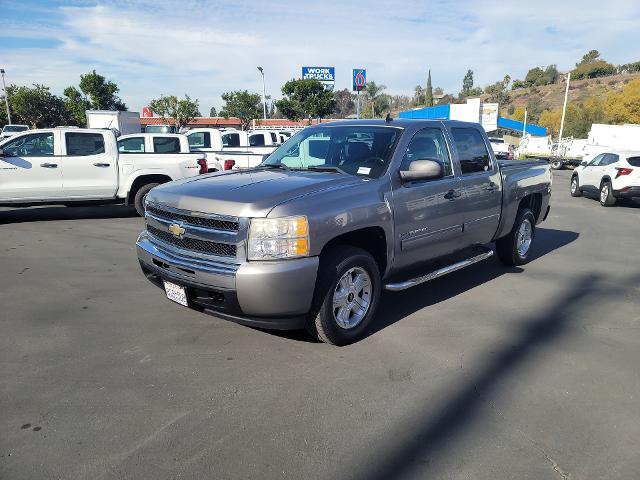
(177, 230)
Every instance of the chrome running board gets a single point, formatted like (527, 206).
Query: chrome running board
(395, 287)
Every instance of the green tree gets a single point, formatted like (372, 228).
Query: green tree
(37, 107)
(551, 74)
(374, 93)
(590, 57)
(242, 105)
(598, 68)
(535, 76)
(345, 104)
(213, 112)
(96, 93)
(467, 84)
(498, 91)
(180, 110)
(306, 98)
(428, 96)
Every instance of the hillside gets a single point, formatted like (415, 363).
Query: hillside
(552, 96)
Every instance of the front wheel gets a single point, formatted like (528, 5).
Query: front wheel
(141, 195)
(348, 293)
(556, 164)
(606, 195)
(514, 249)
(575, 187)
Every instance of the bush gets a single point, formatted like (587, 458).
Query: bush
(599, 68)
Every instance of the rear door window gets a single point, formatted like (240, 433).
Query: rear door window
(199, 140)
(166, 145)
(80, 144)
(131, 145)
(231, 140)
(472, 150)
(256, 140)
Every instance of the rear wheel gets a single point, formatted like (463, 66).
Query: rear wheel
(514, 249)
(348, 293)
(140, 197)
(575, 187)
(606, 195)
(556, 164)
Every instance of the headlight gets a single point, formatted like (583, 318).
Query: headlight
(273, 238)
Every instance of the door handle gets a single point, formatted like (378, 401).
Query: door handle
(49, 165)
(452, 195)
(101, 164)
(492, 187)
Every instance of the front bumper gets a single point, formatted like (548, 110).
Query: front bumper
(275, 294)
(630, 192)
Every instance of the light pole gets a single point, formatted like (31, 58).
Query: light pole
(6, 96)
(264, 98)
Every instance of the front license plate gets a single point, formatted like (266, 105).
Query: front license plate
(176, 293)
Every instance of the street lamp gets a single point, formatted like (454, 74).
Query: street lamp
(264, 98)
(6, 96)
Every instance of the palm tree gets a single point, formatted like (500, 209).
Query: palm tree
(418, 94)
(373, 92)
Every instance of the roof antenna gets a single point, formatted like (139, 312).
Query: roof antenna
(388, 118)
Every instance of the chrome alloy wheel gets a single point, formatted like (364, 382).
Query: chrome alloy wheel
(604, 193)
(524, 237)
(574, 185)
(352, 297)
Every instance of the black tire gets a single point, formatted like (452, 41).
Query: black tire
(141, 194)
(606, 194)
(575, 190)
(507, 247)
(335, 264)
(556, 164)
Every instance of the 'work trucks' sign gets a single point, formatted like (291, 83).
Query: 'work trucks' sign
(326, 75)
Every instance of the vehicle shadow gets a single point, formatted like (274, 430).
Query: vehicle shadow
(430, 433)
(55, 212)
(397, 305)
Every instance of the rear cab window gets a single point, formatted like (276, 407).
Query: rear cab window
(634, 161)
(131, 145)
(472, 150)
(166, 145)
(256, 140)
(231, 140)
(82, 144)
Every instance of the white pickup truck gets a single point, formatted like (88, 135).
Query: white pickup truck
(232, 149)
(74, 166)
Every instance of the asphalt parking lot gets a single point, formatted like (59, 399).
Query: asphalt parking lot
(524, 373)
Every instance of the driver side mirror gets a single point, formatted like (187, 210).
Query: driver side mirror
(422, 170)
(584, 164)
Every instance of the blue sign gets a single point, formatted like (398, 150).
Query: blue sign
(326, 75)
(359, 79)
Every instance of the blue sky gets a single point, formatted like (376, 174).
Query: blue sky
(204, 48)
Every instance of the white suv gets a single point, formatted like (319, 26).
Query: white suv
(611, 175)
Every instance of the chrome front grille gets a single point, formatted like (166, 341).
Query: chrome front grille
(207, 222)
(193, 234)
(204, 246)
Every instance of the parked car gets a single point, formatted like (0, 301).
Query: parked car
(11, 130)
(74, 166)
(233, 149)
(501, 149)
(610, 176)
(341, 211)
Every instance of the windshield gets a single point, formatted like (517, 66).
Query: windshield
(15, 128)
(356, 150)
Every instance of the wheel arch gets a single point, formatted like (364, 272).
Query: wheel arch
(371, 239)
(145, 180)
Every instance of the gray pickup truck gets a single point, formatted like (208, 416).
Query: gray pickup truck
(337, 214)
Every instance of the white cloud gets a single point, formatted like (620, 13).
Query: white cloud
(206, 48)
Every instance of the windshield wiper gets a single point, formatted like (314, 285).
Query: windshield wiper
(326, 168)
(274, 165)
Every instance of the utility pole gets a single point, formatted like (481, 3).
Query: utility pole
(6, 96)
(524, 127)
(264, 98)
(564, 108)
(358, 105)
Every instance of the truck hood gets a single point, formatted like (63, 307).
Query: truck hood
(245, 193)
